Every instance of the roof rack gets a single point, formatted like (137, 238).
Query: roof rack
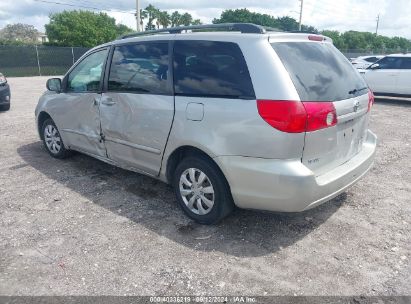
(247, 28)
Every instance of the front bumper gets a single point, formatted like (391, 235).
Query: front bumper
(288, 185)
(4, 94)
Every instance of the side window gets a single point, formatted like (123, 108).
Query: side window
(389, 63)
(140, 68)
(406, 63)
(211, 69)
(371, 59)
(86, 76)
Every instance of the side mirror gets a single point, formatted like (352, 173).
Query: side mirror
(54, 85)
(374, 66)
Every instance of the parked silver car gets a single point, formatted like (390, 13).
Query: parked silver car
(249, 118)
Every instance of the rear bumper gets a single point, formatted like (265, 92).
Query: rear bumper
(288, 185)
(4, 94)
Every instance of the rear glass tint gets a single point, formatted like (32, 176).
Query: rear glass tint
(319, 71)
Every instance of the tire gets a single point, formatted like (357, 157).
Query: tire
(52, 140)
(195, 201)
(5, 107)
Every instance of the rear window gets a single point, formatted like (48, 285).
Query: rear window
(211, 69)
(319, 71)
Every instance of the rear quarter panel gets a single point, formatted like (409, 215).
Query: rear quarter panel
(233, 127)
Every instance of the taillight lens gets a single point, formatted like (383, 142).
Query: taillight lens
(371, 100)
(295, 116)
(284, 115)
(320, 115)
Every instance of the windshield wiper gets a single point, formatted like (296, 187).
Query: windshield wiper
(356, 91)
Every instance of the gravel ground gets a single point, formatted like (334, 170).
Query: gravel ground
(82, 227)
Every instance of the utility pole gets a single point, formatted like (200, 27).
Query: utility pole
(378, 22)
(301, 14)
(138, 17)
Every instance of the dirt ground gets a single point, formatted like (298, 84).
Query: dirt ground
(82, 227)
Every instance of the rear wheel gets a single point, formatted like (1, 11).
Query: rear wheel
(53, 141)
(202, 191)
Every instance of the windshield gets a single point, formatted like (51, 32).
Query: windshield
(319, 71)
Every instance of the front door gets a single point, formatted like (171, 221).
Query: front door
(137, 107)
(77, 113)
(383, 79)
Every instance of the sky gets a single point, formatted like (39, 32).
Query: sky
(341, 15)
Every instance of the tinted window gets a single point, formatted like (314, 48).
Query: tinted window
(213, 69)
(389, 63)
(140, 68)
(319, 71)
(86, 76)
(405, 63)
(371, 59)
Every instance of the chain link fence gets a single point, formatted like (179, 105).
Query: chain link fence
(16, 61)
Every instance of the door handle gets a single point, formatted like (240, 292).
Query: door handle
(108, 101)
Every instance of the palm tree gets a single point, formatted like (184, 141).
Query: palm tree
(186, 19)
(143, 15)
(163, 18)
(152, 13)
(175, 19)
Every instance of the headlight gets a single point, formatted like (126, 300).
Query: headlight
(3, 79)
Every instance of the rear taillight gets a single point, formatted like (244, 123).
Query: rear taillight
(295, 116)
(370, 100)
(284, 115)
(320, 115)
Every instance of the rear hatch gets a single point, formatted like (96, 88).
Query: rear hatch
(321, 74)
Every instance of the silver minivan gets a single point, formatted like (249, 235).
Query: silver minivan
(242, 116)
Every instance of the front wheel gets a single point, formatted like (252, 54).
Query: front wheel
(202, 190)
(52, 140)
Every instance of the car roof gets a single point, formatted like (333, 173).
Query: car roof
(399, 55)
(223, 36)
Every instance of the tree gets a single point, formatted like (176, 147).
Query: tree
(122, 29)
(196, 22)
(243, 15)
(143, 15)
(163, 19)
(337, 39)
(152, 14)
(186, 19)
(81, 28)
(25, 33)
(175, 19)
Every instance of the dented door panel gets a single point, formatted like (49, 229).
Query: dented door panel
(136, 128)
(78, 119)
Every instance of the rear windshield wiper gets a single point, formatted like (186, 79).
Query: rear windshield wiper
(356, 91)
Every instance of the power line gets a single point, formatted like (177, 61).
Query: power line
(92, 3)
(336, 8)
(84, 6)
(324, 11)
